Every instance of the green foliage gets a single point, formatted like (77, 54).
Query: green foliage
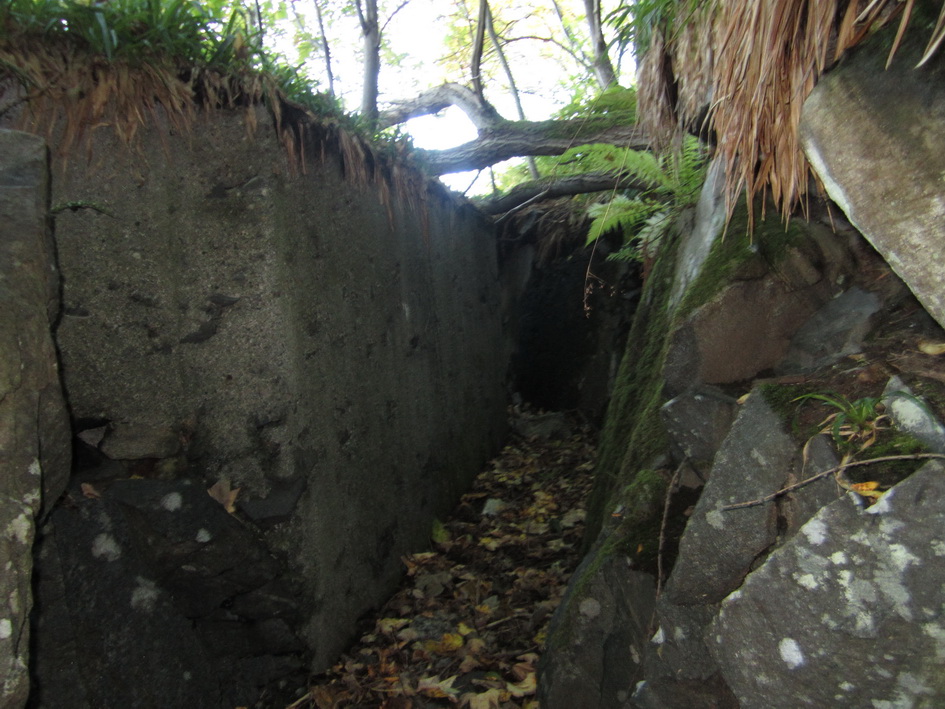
(617, 102)
(199, 33)
(218, 36)
(635, 22)
(674, 181)
(615, 105)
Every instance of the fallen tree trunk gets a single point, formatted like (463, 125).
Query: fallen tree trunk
(549, 188)
(510, 139)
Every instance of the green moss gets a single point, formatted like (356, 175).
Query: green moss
(633, 433)
(891, 442)
(735, 251)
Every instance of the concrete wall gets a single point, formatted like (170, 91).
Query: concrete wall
(334, 354)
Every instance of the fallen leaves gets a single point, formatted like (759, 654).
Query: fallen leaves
(224, 494)
(467, 626)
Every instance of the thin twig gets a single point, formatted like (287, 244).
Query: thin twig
(521, 206)
(802, 483)
(659, 551)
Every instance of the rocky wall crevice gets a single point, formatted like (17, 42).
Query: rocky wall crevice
(34, 424)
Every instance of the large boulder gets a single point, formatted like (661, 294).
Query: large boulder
(874, 137)
(34, 427)
(721, 545)
(849, 611)
(749, 301)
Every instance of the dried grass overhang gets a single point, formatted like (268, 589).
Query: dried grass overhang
(64, 94)
(743, 69)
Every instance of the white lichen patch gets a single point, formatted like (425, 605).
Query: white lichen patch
(172, 501)
(888, 526)
(20, 528)
(679, 634)
(882, 506)
(6, 628)
(806, 580)
(203, 536)
(815, 531)
(860, 596)
(846, 686)
(791, 653)
(839, 558)
(938, 547)
(937, 633)
(145, 595)
(716, 519)
(889, 582)
(659, 637)
(105, 546)
(590, 608)
(901, 557)
(908, 689)
(35, 468)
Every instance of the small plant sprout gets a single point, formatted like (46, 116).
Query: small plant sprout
(854, 425)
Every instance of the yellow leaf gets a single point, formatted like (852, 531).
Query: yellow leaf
(867, 489)
(931, 348)
(389, 626)
(464, 629)
(484, 700)
(437, 688)
(449, 643)
(222, 493)
(527, 686)
(439, 535)
(490, 543)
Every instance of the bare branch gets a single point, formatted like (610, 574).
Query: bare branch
(550, 188)
(434, 100)
(510, 139)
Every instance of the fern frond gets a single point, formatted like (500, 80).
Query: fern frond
(620, 212)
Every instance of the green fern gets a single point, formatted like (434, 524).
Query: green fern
(621, 212)
(674, 179)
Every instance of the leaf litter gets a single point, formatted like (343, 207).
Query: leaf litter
(468, 624)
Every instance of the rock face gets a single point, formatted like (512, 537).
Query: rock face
(720, 546)
(782, 601)
(34, 427)
(852, 132)
(855, 583)
(601, 634)
(327, 353)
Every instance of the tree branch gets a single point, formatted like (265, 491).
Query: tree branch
(434, 100)
(510, 139)
(549, 188)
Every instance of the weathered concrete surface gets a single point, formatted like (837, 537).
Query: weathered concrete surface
(874, 137)
(34, 426)
(324, 347)
(150, 594)
(849, 611)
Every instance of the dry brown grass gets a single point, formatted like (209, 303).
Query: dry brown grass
(753, 64)
(66, 95)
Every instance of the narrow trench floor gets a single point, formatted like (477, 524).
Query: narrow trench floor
(468, 624)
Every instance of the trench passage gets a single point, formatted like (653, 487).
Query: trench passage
(468, 623)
